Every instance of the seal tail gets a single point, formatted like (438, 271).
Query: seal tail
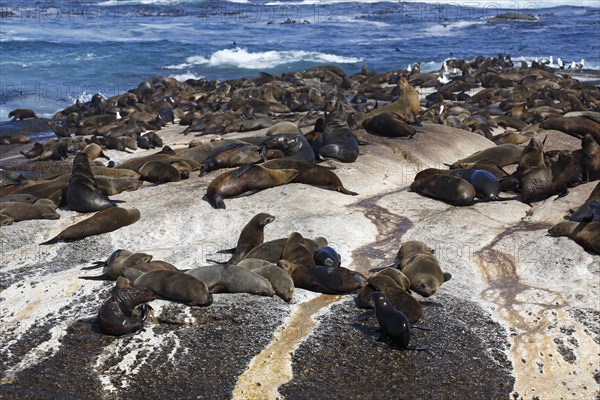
(95, 265)
(102, 277)
(227, 251)
(216, 262)
(51, 241)
(346, 191)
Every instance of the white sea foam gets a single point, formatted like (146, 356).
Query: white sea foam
(242, 58)
(450, 29)
(185, 76)
(474, 3)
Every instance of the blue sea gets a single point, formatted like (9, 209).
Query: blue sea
(52, 53)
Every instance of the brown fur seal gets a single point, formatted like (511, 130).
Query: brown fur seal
(159, 172)
(230, 156)
(103, 221)
(115, 316)
(574, 126)
(425, 274)
(117, 263)
(310, 174)
(427, 172)
(172, 285)
(232, 279)
(541, 183)
(94, 151)
(406, 106)
(501, 155)
(251, 236)
(409, 249)
(322, 279)
(82, 192)
(395, 294)
(25, 211)
(272, 251)
(585, 234)
(280, 280)
(590, 160)
(337, 141)
(295, 251)
(294, 147)
(245, 180)
(21, 113)
(450, 189)
(388, 125)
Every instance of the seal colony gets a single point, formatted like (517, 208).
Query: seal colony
(330, 124)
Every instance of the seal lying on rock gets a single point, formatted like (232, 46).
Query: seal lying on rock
(450, 189)
(423, 270)
(115, 316)
(232, 279)
(103, 221)
(172, 285)
(245, 180)
(585, 234)
(82, 193)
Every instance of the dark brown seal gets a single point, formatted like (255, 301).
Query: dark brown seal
(230, 156)
(115, 316)
(337, 141)
(232, 279)
(388, 125)
(294, 147)
(272, 250)
(322, 279)
(450, 189)
(82, 193)
(21, 113)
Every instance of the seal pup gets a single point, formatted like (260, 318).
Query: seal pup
(450, 189)
(104, 221)
(251, 236)
(82, 193)
(115, 316)
(337, 140)
(294, 147)
(395, 292)
(245, 180)
(172, 285)
(230, 156)
(393, 324)
(232, 279)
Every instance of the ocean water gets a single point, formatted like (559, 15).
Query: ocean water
(52, 53)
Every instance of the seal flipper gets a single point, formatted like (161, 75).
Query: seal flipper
(447, 276)
(227, 251)
(102, 277)
(52, 241)
(366, 315)
(96, 264)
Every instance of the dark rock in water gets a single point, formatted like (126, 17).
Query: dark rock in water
(26, 127)
(514, 17)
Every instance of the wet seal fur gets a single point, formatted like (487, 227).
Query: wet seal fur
(394, 325)
(245, 180)
(103, 221)
(115, 316)
(294, 147)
